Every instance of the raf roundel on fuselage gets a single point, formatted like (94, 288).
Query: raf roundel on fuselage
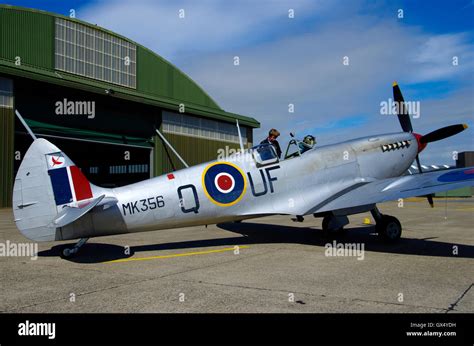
(224, 183)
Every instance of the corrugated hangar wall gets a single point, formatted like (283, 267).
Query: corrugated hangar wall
(7, 128)
(27, 50)
(28, 36)
(153, 76)
(193, 151)
(25, 38)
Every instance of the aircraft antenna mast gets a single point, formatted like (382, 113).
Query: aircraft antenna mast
(25, 125)
(172, 149)
(240, 136)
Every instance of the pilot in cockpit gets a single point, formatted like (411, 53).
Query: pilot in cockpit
(308, 143)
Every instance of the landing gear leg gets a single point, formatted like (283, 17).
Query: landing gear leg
(387, 227)
(376, 214)
(71, 252)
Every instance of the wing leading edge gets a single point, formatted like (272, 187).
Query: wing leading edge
(402, 187)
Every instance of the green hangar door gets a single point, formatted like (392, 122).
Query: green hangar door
(109, 139)
(107, 162)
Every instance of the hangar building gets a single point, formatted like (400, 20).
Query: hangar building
(100, 96)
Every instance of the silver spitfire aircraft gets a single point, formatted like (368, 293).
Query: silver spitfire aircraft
(53, 200)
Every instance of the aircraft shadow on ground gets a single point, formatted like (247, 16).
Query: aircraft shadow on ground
(257, 233)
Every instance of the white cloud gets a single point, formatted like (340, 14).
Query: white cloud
(283, 61)
(436, 55)
(307, 70)
(208, 25)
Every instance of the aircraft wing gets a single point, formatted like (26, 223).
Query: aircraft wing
(394, 188)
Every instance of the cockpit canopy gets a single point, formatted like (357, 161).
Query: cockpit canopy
(264, 154)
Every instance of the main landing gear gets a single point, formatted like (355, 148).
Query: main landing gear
(71, 252)
(334, 224)
(387, 227)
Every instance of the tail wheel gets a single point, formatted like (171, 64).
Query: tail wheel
(389, 228)
(67, 253)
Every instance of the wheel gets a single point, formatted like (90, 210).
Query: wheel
(68, 252)
(389, 228)
(325, 225)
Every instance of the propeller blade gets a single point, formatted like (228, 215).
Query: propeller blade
(442, 133)
(403, 116)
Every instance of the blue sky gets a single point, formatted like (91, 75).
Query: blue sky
(299, 60)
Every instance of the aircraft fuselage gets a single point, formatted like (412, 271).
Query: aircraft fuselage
(238, 188)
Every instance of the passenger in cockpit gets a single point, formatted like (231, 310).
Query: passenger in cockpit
(272, 139)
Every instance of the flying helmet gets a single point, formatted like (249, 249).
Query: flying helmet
(309, 140)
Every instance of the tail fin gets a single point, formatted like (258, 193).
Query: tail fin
(47, 186)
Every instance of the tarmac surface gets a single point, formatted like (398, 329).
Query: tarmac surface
(270, 264)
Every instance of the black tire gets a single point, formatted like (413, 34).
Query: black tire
(67, 253)
(389, 228)
(325, 226)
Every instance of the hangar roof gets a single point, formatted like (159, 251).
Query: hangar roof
(28, 48)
